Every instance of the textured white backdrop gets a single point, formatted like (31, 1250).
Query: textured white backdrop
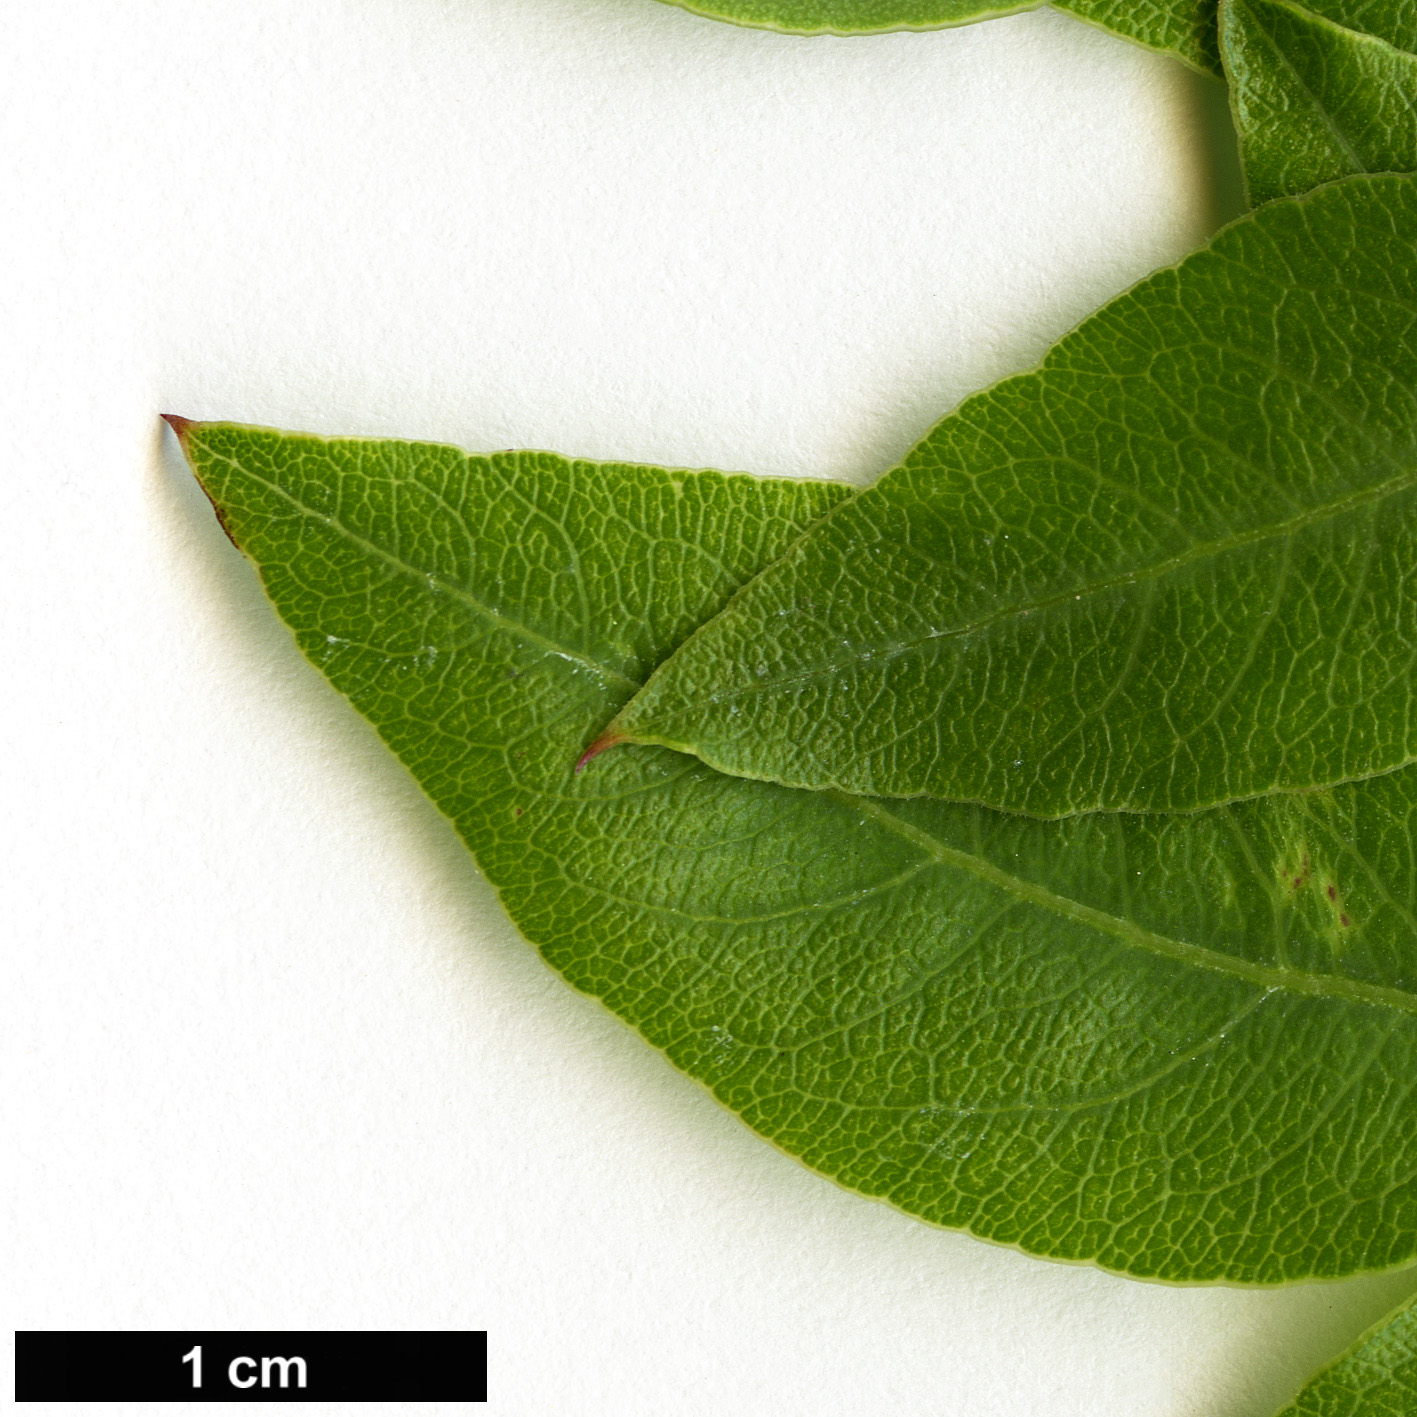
(273, 1057)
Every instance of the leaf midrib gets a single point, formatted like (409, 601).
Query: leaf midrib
(1268, 977)
(1155, 572)
(452, 589)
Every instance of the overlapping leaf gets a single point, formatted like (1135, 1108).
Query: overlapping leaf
(1377, 1377)
(1184, 28)
(1392, 20)
(1174, 566)
(1314, 101)
(1181, 1047)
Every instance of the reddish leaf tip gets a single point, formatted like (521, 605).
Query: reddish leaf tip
(608, 739)
(179, 425)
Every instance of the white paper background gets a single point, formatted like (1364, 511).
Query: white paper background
(273, 1057)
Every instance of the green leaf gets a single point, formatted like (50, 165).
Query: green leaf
(1314, 101)
(1377, 1377)
(843, 17)
(1183, 1047)
(1174, 566)
(1392, 20)
(1183, 28)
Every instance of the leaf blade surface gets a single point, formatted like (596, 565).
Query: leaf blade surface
(1376, 1377)
(1392, 20)
(1314, 101)
(1061, 1036)
(1169, 568)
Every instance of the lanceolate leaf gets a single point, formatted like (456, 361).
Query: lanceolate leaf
(1314, 101)
(1377, 1377)
(1183, 1047)
(1174, 566)
(1185, 28)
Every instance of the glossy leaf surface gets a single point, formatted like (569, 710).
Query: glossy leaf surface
(1175, 1046)
(1176, 565)
(1314, 101)
(1183, 28)
(1377, 1377)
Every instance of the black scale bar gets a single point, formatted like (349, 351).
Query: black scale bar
(251, 1367)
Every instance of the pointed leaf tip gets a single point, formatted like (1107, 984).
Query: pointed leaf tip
(608, 739)
(179, 425)
(183, 427)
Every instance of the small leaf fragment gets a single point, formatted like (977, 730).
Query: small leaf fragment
(1183, 28)
(1376, 1377)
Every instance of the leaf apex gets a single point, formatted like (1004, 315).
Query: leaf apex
(180, 426)
(183, 427)
(609, 739)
